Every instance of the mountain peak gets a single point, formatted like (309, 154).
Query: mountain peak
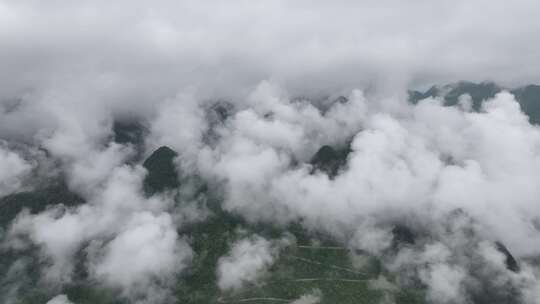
(162, 173)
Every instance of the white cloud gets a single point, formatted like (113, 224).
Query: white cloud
(70, 69)
(13, 168)
(398, 166)
(179, 124)
(373, 240)
(311, 298)
(418, 165)
(445, 283)
(147, 249)
(59, 299)
(247, 262)
(306, 45)
(143, 249)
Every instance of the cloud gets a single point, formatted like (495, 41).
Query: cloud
(13, 169)
(260, 143)
(147, 249)
(427, 161)
(133, 52)
(414, 164)
(371, 239)
(310, 298)
(247, 262)
(409, 164)
(59, 299)
(70, 70)
(445, 284)
(118, 226)
(186, 138)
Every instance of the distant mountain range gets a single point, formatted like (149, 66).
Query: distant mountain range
(528, 96)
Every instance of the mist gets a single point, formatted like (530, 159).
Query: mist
(245, 93)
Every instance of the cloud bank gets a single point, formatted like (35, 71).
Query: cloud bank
(246, 93)
(246, 262)
(139, 51)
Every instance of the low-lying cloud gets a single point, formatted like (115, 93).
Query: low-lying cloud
(290, 78)
(246, 263)
(440, 170)
(131, 241)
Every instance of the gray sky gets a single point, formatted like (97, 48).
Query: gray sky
(226, 47)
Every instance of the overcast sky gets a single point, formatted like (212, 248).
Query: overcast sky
(228, 46)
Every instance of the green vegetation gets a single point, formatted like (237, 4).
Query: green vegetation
(162, 174)
(131, 132)
(36, 201)
(529, 100)
(330, 160)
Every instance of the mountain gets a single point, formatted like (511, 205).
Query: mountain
(37, 200)
(330, 160)
(162, 174)
(527, 96)
(529, 100)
